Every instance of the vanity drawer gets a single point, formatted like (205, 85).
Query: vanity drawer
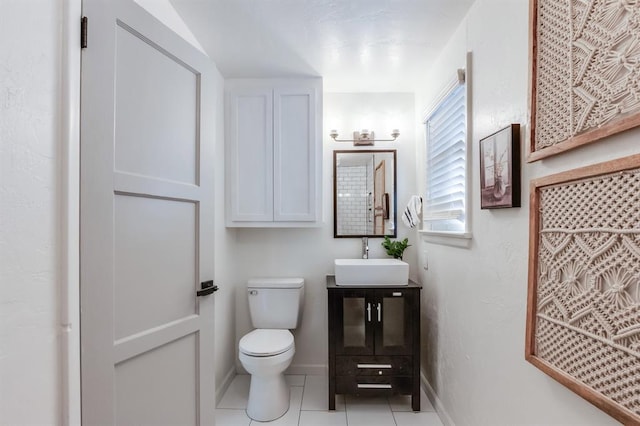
(373, 385)
(373, 365)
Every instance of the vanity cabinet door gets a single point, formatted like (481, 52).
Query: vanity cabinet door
(354, 322)
(375, 322)
(393, 311)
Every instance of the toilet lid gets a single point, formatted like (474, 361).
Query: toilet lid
(266, 342)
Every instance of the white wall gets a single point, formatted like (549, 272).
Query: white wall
(225, 265)
(474, 316)
(164, 11)
(309, 253)
(30, 187)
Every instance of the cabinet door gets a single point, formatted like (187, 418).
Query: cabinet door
(250, 155)
(295, 154)
(392, 311)
(354, 314)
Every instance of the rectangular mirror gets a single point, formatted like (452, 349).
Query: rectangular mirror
(364, 193)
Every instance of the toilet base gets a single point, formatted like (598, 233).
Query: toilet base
(268, 397)
(269, 391)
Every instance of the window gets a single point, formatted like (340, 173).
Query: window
(445, 207)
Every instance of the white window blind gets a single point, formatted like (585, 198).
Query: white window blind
(446, 130)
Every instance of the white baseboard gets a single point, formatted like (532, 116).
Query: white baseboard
(437, 404)
(308, 369)
(224, 385)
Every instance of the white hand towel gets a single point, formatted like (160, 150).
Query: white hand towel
(411, 215)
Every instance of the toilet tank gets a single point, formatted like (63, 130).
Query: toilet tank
(275, 302)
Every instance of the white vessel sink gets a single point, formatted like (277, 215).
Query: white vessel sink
(371, 272)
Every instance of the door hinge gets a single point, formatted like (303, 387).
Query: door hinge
(83, 32)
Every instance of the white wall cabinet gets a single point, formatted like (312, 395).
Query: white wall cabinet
(273, 152)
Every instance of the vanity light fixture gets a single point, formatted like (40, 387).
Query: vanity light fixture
(364, 137)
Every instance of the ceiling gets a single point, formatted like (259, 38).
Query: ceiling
(355, 45)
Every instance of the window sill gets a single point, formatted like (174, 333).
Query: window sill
(455, 239)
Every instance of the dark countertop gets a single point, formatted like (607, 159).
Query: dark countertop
(331, 283)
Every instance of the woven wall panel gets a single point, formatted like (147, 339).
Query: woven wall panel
(586, 69)
(586, 317)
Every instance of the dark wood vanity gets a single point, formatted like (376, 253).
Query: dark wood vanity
(374, 340)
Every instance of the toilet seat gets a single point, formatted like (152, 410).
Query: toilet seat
(266, 342)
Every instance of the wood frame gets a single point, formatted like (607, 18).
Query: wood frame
(620, 123)
(393, 204)
(601, 401)
(490, 196)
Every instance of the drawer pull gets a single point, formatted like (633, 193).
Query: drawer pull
(373, 386)
(396, 293)
(374, 366)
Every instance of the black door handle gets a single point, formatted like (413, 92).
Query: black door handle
(207, 288)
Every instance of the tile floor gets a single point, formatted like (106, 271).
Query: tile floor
(308, 407)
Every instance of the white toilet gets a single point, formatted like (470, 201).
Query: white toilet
(275, 305)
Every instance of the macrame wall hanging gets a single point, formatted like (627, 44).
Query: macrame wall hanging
(585, 72)
(583, 310)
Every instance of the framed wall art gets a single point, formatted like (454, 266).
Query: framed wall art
(585, 59)
(500, 169)
(583, 307)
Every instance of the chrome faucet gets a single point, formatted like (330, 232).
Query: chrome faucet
(365, 247)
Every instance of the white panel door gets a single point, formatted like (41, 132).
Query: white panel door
(294, 155)
(146, 222)
(250, 155)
